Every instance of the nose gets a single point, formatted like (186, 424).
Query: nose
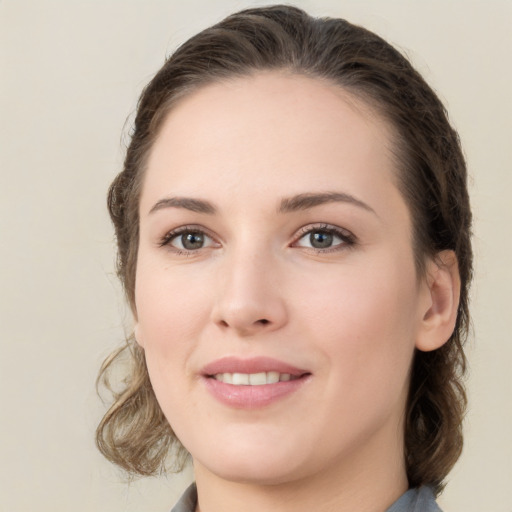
(250, 298)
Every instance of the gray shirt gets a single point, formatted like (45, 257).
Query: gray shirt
(420, 499)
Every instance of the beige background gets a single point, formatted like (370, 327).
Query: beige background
(71, 72)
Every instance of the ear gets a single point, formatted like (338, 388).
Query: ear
(443, 292)
(137, 334)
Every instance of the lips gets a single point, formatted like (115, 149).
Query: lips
(252, 383)
(253, 379)
(253, 365)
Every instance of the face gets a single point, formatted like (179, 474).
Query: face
(276, 294)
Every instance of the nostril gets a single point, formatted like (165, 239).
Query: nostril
(263, 321)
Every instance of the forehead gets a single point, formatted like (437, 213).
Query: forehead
(277, 131)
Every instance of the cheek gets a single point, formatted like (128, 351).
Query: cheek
(169, 308)
(168, 319)
(170, 313)
(364, 321)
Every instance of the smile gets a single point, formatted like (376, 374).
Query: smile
(253, 379)
(252, 383)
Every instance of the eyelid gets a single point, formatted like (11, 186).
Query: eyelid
(347, 237)
(170, 235)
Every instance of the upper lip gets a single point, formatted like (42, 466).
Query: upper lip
(252, 365)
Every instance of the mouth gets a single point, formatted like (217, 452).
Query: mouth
(253, 379)
(252, 383)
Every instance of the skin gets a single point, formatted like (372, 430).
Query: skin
(351, 314)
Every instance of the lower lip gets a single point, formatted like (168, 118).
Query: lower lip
(252, 397)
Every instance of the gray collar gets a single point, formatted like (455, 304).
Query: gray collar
(420, 499)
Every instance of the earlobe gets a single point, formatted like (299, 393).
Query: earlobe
(443, 283)
(138, 335)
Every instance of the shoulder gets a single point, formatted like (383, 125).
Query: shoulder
(188, 500)
(420, 499)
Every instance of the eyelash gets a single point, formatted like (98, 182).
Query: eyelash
(175, 233)
(348, 240)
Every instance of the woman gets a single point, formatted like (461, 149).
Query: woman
(293, 228)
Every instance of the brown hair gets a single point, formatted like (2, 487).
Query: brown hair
(432, 179)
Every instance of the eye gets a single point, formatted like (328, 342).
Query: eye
(188, 239)
(325, 238)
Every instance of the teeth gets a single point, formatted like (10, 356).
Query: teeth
(240, 379)
(253, 379)
(272, 377)
(257, 379)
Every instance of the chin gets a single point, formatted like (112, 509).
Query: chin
(255, 472)
(253, 463)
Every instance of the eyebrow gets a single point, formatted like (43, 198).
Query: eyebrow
(194, 205)
(310, 200)
(287, 205)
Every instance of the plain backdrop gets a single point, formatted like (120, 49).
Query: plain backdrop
(70, 75)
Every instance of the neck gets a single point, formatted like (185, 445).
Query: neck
(368, 481)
